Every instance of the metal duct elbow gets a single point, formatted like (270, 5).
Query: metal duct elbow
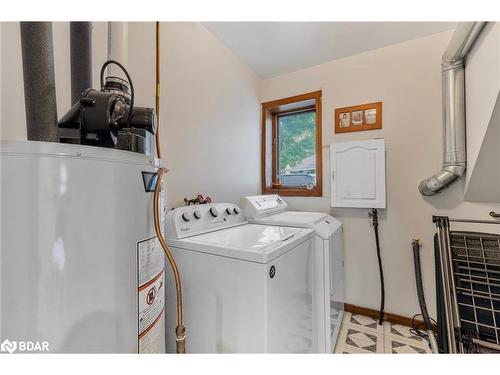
(453, 91)
(39, 81)
(81, 58)
(441, 180)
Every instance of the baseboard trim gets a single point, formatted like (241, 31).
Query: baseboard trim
(388, 317)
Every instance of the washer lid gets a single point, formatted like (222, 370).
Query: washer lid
(253, 242)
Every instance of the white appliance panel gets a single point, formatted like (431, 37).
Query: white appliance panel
(290, 298)
(327, 265)
(71, 220)
(234, 306)
(262, 205)
(197, 219)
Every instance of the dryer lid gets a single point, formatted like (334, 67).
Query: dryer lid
(324, 224)
(294, 217)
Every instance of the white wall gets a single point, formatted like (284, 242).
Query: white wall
(141, 61)
(483, 89)
(209, 111)
(210, 114)
(406, 78)
(484, 183)
(13, 117)
(483, 84)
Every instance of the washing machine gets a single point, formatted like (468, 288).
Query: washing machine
(327, 263)
(246, 288)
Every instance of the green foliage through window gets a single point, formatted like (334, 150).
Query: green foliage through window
(296, 138)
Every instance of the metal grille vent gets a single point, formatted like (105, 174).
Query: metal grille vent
(476, 269)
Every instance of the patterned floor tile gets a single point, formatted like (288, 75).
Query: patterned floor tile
(353, 337)
(361, 334)
(399, 331)
(365, 323)
(399, 345)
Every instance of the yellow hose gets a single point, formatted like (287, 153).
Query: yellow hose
(180, 330)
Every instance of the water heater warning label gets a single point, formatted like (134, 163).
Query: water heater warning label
(151, 296)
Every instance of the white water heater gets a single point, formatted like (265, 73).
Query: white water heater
(81, 269)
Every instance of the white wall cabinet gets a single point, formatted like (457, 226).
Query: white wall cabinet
(358, 174)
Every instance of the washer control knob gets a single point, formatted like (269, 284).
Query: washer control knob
(229, 211)
(197, 214)
(236, 210)
(214, 212)
(186, 216)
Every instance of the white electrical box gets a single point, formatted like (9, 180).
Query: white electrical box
(358, 174)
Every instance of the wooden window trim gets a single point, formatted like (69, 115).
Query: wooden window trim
(273, 107)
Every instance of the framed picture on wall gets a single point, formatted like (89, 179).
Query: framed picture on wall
(358, 118)
(345, 119)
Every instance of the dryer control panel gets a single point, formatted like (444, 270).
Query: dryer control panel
(259, 206)
(196, 219)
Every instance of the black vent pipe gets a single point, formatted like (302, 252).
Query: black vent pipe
(39, 81)
(81, 58)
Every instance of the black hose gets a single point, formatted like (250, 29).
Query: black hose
(132, 92)
(374, 215)
(420, 288)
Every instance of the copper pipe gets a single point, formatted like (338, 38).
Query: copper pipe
(157, 90)
(180, 330)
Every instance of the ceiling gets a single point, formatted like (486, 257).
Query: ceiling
(275, 48)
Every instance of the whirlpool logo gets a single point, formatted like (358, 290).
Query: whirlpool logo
(8, 346)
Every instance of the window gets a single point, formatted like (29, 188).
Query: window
(291, 146)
